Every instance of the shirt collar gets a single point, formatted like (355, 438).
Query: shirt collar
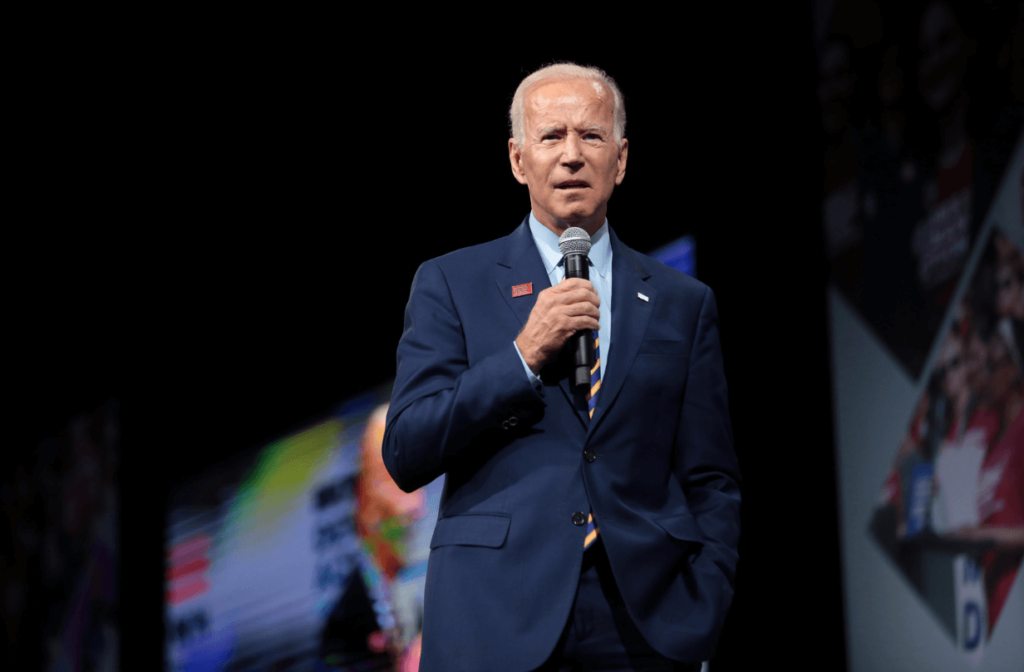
(547, 242)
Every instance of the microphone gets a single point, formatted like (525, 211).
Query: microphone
(574, 243)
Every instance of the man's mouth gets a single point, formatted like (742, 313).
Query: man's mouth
(572, 184)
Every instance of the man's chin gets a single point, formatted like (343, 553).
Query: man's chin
(564, 215)
(580, 219)
(575, 213)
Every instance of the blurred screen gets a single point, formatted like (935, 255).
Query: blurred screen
(303, 555)
(680, 254)
(923, 188)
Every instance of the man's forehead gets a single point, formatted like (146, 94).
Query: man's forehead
(565, 89)
(556, 96)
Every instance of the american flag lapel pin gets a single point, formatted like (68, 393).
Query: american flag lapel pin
(522, 290)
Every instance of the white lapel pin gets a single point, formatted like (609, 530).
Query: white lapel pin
(642, 297)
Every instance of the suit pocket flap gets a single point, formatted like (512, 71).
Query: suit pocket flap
(654, 346)
(682, 527)
(472, 529)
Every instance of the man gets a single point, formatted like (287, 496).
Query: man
(482, 395)
(370, 627)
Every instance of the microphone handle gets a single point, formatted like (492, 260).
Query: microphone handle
(581, 343)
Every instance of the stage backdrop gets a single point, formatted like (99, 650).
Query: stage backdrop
(923, 189)
(304, 555)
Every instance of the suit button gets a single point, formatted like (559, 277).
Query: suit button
(512, 421)
(589, 455)
(579, 518)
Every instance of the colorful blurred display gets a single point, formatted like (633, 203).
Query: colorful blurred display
(305, 555)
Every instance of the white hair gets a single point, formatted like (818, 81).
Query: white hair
(567, 71)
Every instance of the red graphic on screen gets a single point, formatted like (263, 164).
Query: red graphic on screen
(187, 567)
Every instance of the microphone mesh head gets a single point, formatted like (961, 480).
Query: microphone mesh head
(574, 240)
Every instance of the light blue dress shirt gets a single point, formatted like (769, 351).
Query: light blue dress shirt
(600, 276)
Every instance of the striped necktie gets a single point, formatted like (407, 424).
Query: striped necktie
(595, 387)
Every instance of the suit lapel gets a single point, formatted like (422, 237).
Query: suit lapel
(523, 265)
(630, 316)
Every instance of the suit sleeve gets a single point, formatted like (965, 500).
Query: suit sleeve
(705, 461)
(442, 407)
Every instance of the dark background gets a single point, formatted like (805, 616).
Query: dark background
(229, 221)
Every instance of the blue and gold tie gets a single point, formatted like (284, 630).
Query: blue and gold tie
(595, 387)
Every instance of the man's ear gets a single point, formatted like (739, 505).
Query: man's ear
(623, 154)
(515, 157)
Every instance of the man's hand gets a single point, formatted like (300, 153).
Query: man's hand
(559, 313)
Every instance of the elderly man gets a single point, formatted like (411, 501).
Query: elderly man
(579, 528)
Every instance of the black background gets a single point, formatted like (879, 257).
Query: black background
(228, 219)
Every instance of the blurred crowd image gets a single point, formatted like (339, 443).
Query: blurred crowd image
(920, 106)
(957, 483)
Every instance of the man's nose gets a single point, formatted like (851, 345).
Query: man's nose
(572, 156)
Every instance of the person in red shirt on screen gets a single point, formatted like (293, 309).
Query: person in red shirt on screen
(1001, 480)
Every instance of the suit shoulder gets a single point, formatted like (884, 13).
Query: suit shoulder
(471, 256)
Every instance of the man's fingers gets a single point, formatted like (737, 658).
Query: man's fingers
(573, 284)
(560, 311)
(583, 308)
(577, 294)
(585, 322)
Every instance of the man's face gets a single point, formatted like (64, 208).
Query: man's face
(384, 513)
(569, 159)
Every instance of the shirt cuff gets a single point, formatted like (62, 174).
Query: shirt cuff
(534, 380)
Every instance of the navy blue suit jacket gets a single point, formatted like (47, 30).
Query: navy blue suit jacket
(505, 556)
